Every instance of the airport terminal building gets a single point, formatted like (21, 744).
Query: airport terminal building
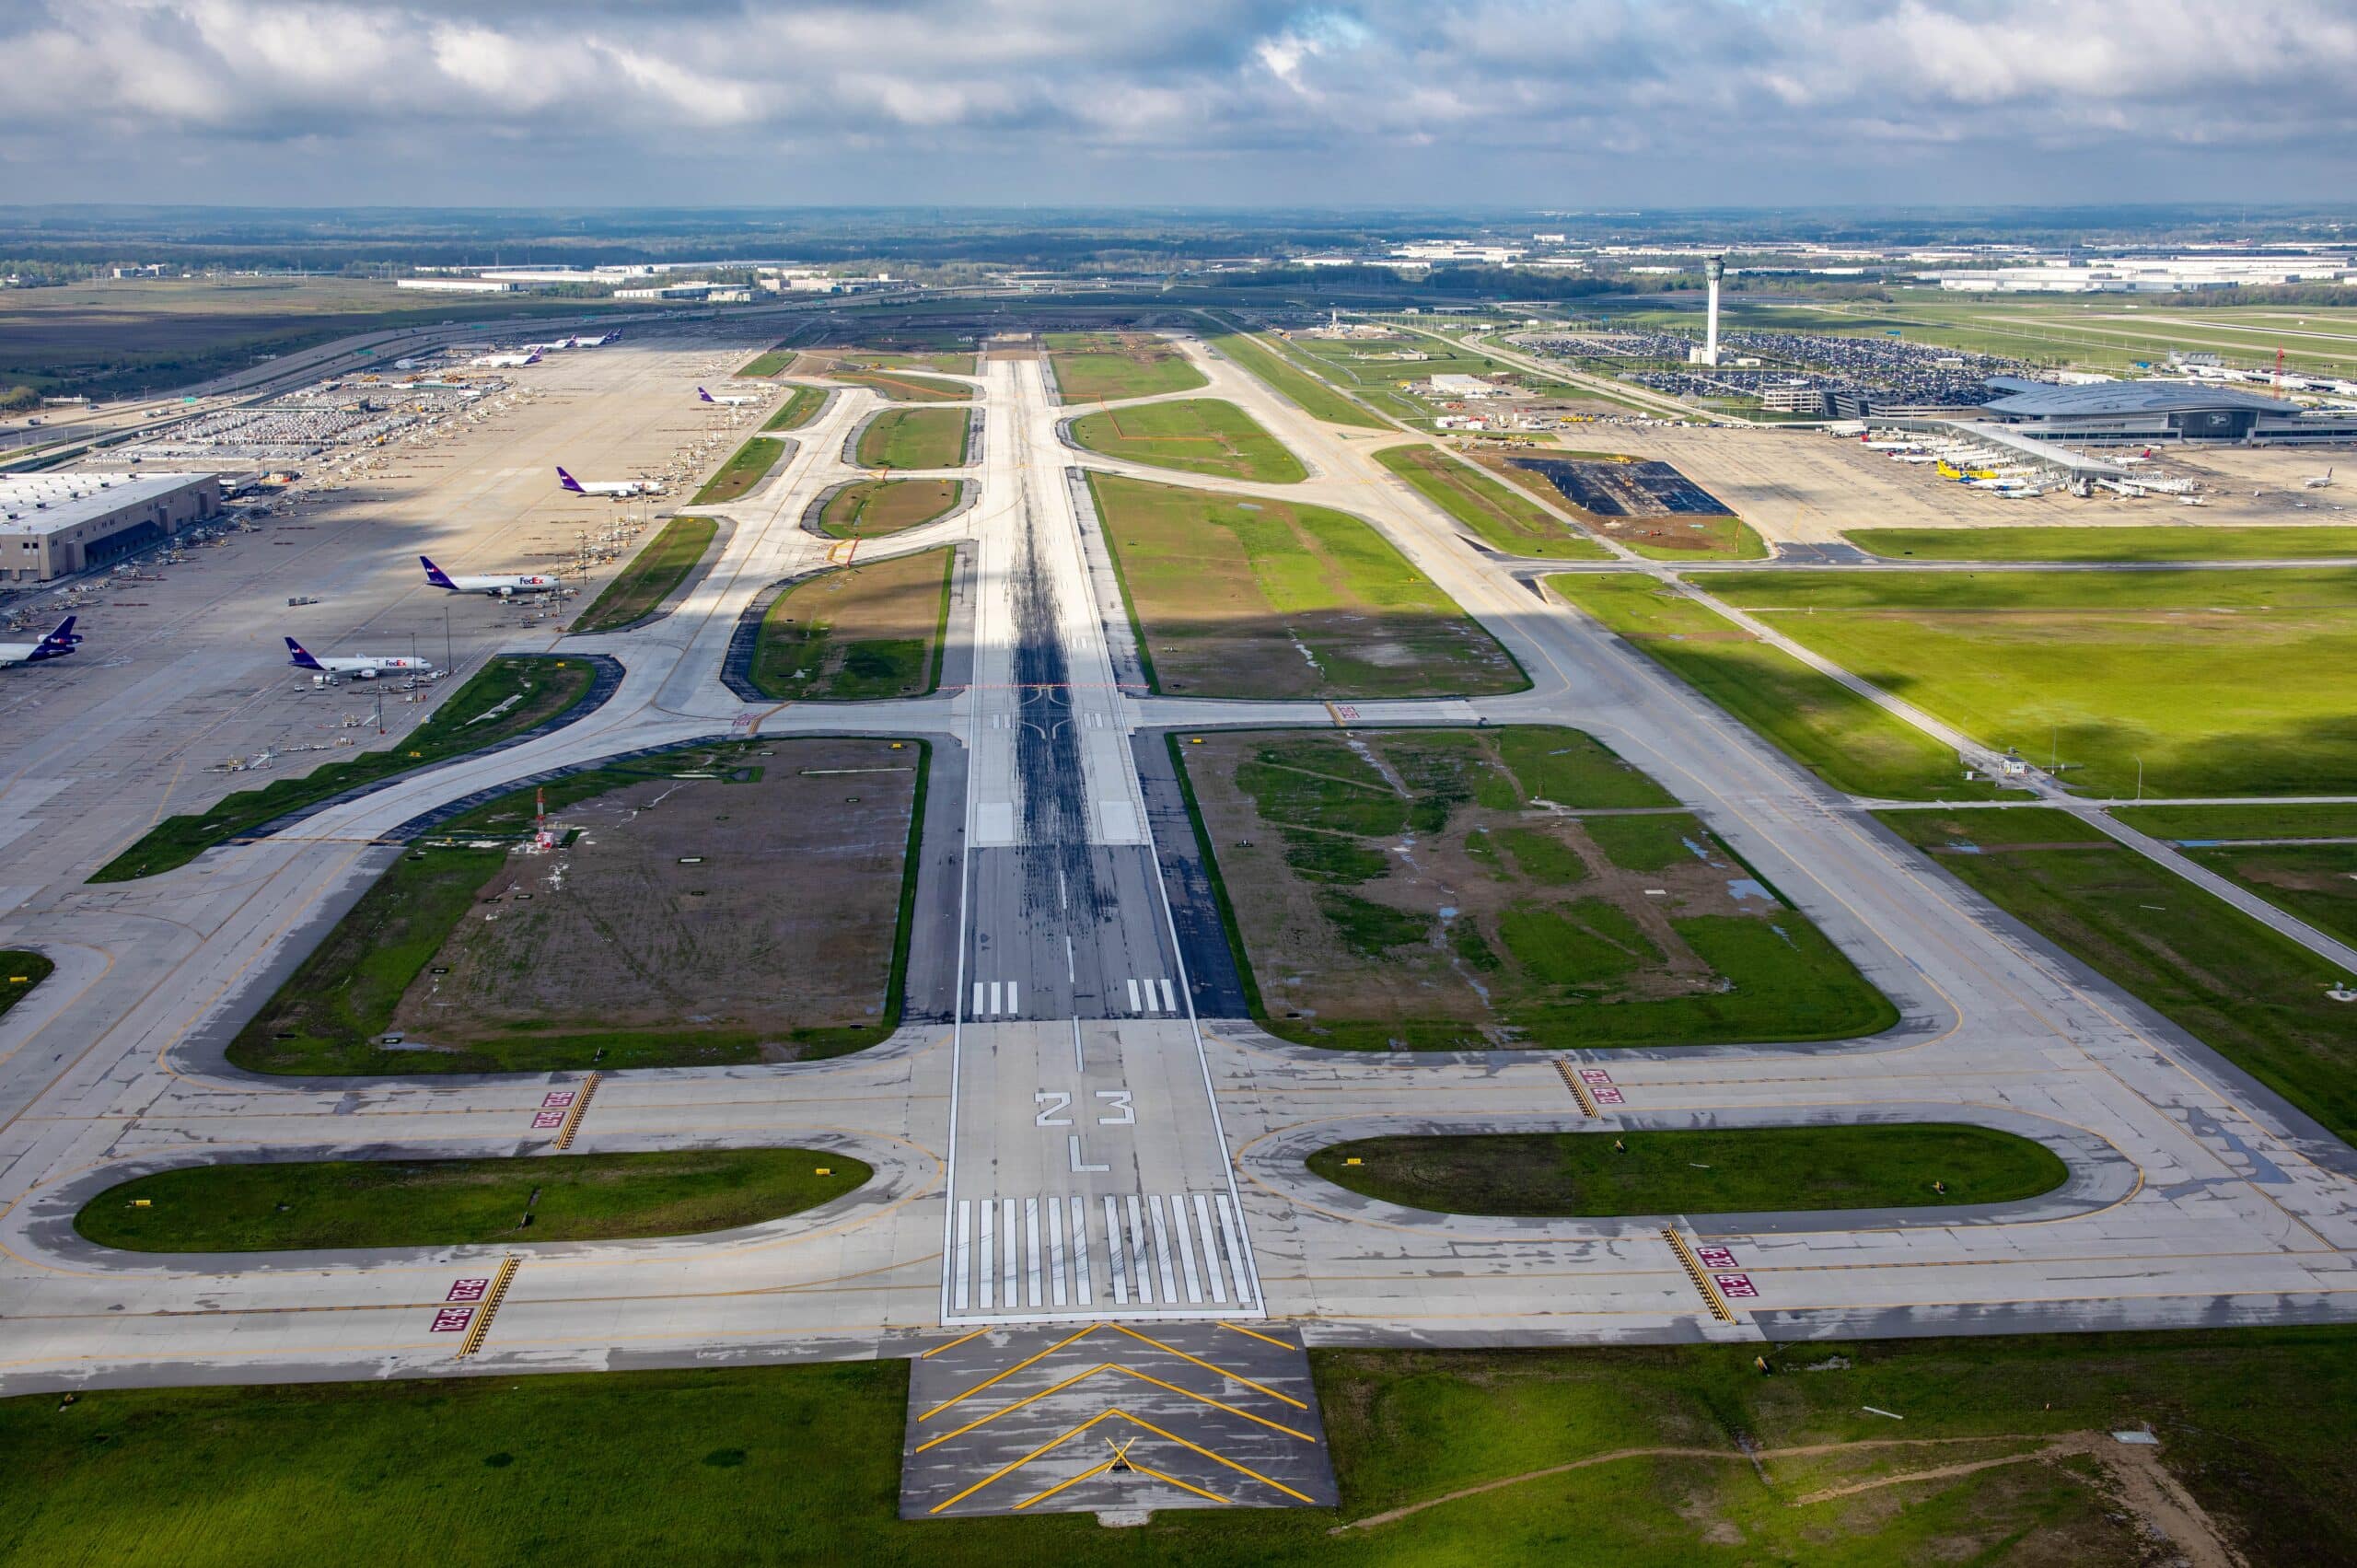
(53, 525)
(2151, 412)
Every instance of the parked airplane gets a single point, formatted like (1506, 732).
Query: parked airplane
(503, 586)
(2317, 481)
(726, 402)
(57, 644)
(365, 666)
(504, 360)
(618, 489)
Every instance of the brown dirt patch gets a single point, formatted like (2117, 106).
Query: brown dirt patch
(785, 922)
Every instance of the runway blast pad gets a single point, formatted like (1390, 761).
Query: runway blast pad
(1113, 1419)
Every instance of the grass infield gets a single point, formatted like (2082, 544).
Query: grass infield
(19, 971)
(746, 468)
(1204, 435)
(509, 695)
(915, 438)
(867, 630)
(1731, 1170)
(661, 565)
(795, 411)
(325, 1203)
(2222, 683)
(873, 508)
(1833, 731)
(329, 1017)
(1643, 1449)
(1096, 367)
(1271, 599)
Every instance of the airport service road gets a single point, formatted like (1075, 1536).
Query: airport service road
(1088, 1177)
(1056, 1146)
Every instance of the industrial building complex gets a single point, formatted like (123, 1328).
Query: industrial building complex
(55, 525)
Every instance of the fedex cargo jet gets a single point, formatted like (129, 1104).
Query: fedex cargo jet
(57, 644)
(725, 403)
(503, 586)
(617, 488)
(366, 667)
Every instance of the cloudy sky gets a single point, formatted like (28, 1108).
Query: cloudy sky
(1537, 103)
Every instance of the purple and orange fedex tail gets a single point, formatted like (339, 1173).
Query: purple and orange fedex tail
(435, 577)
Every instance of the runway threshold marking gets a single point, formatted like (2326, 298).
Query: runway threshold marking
(1702, 1281)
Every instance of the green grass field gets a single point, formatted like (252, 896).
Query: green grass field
(2271, 822)
(19, 971)
(2160, 542)
(509, 695)
(1421, 890)
(1498, 514)
(1727, 1170)
(746, 468)
(2316, 882)
(661, 565)
(868, 631)
(1099, 366)
(801, 1463)
(1358, 365)
(1194, 435)
(915, 438)
(2255, 997)
(772, 363)
(873, 508)
(332, 1013)
(795, 411)
(2222, 682)
(1268, 598)
(1286, 377)
(1820, 724)
(331, 1203)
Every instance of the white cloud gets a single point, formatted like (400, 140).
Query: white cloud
(1302, 103)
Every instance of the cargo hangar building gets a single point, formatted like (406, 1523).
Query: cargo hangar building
(2150, 412)
(53, 525)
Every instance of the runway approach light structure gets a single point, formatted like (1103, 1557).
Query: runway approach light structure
(1713, 269)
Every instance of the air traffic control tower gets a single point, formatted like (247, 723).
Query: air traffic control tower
(1713, 269)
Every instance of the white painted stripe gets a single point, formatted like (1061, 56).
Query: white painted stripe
(1169, 1000)
(996, 988)
(1186, 1246)
(1133, 996)
(1247, 1290)
(1113, 1251)
(1013, 1005)
(1081, 1287)
(982, 1273)
(978, 1000)
(1008, 1262)
(1031, 1249)
(964, 1255)
(1210, 1235)
(1056, 1252)
(1162, 1250)
(1138, 1253)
